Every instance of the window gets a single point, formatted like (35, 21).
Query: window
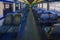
(42, 5)
(55, 6)
(6, 5)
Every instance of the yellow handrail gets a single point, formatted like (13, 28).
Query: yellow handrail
(37, 1)
(34, 2)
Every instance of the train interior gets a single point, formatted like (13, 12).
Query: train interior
(29, 19)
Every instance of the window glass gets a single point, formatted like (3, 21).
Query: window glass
(40, 5)
(6, 5)
(55, 6)
(45, 6)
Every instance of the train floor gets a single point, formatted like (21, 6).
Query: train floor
(30, 32)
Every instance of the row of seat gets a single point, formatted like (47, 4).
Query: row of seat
(45, 17)
(50, 22)
(10, 19)
(13, 25)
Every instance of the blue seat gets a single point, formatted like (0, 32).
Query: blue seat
(56, 32)
(8, 20)
(39, 12)
(44, 18)
(17, 19)
(37, 9)
(6, 23)
(56, 28)
(53, 16)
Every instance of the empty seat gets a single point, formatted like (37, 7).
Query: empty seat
(53, 16)
(44, 18)
(17, 19)
(56, 28)
(55, 34)
(8, 20)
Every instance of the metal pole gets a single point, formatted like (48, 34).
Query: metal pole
(48, 5)
(39, 5)
(42, 5)
(20, 5)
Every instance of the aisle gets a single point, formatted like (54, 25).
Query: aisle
(30, 32)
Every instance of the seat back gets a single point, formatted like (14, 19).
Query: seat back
(17, 19)
(53, 16)
(8, 20)
(44, 18)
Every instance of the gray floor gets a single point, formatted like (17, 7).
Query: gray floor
(31, 32)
